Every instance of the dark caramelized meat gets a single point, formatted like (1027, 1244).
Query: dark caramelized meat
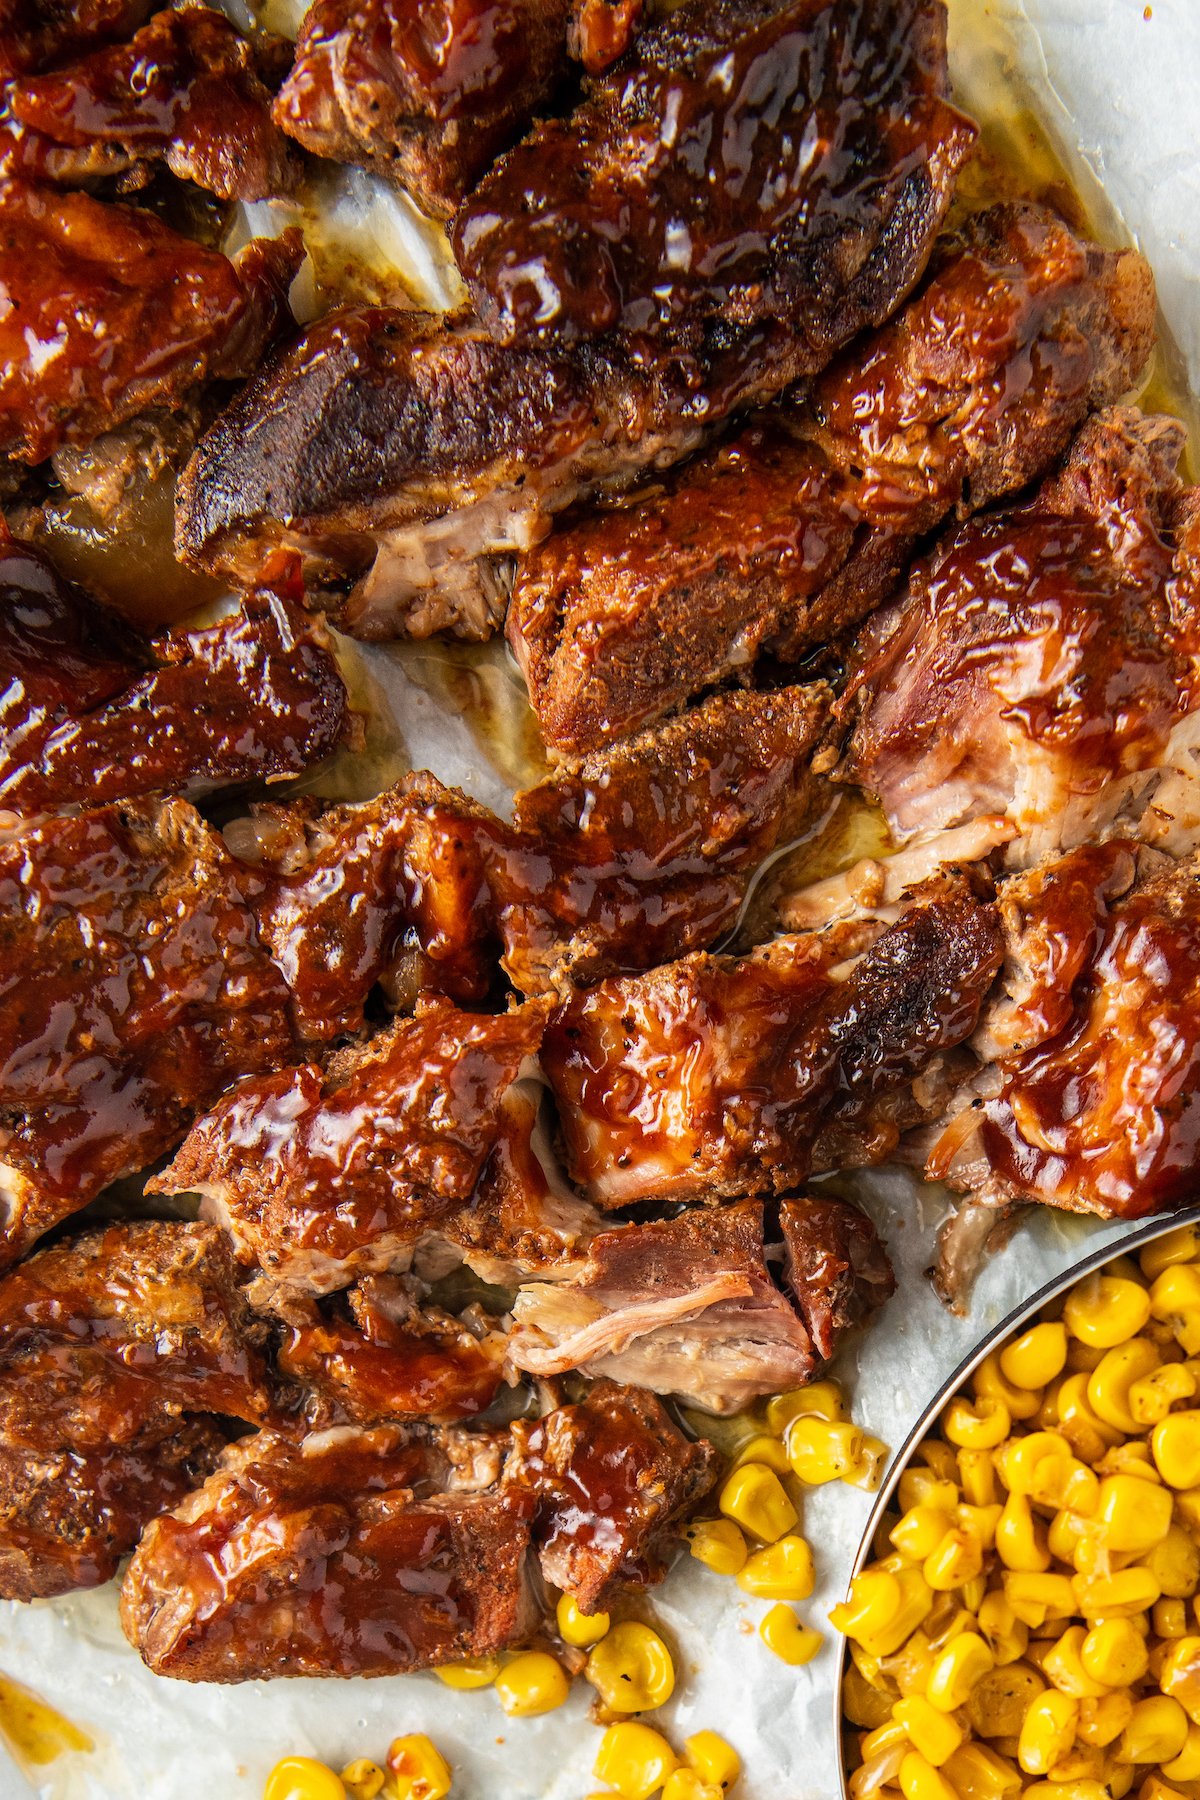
(34, 33)
(796, 527)
(183, 90)
(642, 852)
(427, 93)
(747, 160)
(681, 1306)
(612, 1479)
(1040, 664)
(67, 1517)
(133, 989)
(835, 1267)
(92, 714)
(322, 1175)
(405, 458)
(319, 1559)
(600, 31)
(390, 1359)
(718, 1075)
(110, 312)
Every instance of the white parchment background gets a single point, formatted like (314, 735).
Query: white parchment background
(1114, 82)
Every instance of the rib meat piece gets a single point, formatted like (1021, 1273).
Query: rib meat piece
(687, 1306)
(133, 989)
(111, 312)
(330, 1557)
(612, 1479)
(35, 33)
(183, 90)
(427, 94)
(323, 1175)
(727, 1076)
(745, 160)
(89, 713)
(407, 458)
(794, 528)
(1041, 664)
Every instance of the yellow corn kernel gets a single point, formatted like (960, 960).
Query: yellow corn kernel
(1006, 1634)
(1187, 1508)
(1155, 1788)
(939, 1457)
(718, 1544)
(1180, 1245)
(1103, 1310)
(781, 1571)
(931, 1732)
(791, 1640)
(1180, 1675)
(883, 1608)
(1152, 1398)
(417, 1768)
(977, 1773)
(1114, 1653)
(475, 1672)
(713, 1759)
(1175, 1564)
(1175, 1292)
(989, 1382)
(303, 1778)
(1110, 1382)
(919, 1780)
(981, 1426)
(997, 1704)
(634, 1759)
(1132, 1515)
(1064, 1668)
(532, 1683)
(1186, 1766)
(821, 1450)
(1169, 1619)
(1156, 1733)
(1175, 1443)
(363, 1779)
(910, 1666)
(1037, 1357)
(864, 1705)
(763, 1449)
(977, 1477)
(821, 1398)
(867, 1470)
(957, 1559)
(1038, 1598)
(922, 1487)
(1102, 1721)
(631, 1669)
(920, 1530)
(964, 1661)
(886, 1738)
(1131, 1458)
(579, 1629)
(1115, 1596)
(1067, 1790)
(685, 1784)
(755, 1498)
(1020, 1538)
(1085, 1431)
(1047, 1732)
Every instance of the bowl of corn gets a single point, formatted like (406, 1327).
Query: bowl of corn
(1024, 1614)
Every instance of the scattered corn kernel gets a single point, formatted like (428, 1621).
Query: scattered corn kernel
(634, 1759)
(718, 1544)
(362, 1780)
(787, 1635)
(417, 1768)
(631, 1669)
(579, 1629)
(755, 1498)
(821, 1450)
(823, 1398)
(714, 1760)
(478, 1672)
(779, 1571)
(766, 1450)
(303, 1778)
(532, 1683)
(685, 1784)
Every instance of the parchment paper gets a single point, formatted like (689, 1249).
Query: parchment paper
(1113, 82)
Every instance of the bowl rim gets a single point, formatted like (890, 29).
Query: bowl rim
(900, 1457)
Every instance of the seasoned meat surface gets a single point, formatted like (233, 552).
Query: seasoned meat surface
(139, 315)
(183, 90)
(744, 160)
(321, 1175)
(612, 1479)
(427, 94)
(683, 1306)
(794, 528)
(727, 1076)
(319, 1558)
(1041, 663)
(835, 1267)
(35, 33)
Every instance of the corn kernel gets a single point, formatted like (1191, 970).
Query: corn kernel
(961, 1664)
(822, 1398)
(1064, 1668)
(1104, 1310)
(1180, 1245)
(1152, 1398)
(1156, 1733)
(981, 1426)
(1175, 1292)
(997, 1704)
(714, 1760)
(631, 1669)
(718, 1544)
(476, 1672)
(755, 1498)
(1186, 1766)
(911, 1666)
(1020, 1538)
(1180, 1675)
(634, 1759)
(867, 1470)
(303, 1778)
(1155, 1788)
(989, 1382)
(977, 1773)
(1114, 1653)
(1111, 1381)
(1067, 1790)
(1102, 1721)
(931, 1732)
(921, 1487)
(1169, 1619)
(821, 1450)
(1134, 1515)
(685, 1784)
(939, 1457)
(977, 1477)
(1115, 1596)
(957, 1559)
(579, 1629)
(766, 1450)
(1175, 1442)
(417, 1768)
(919, 1780)
(781, 1571)
(1131, 1458)
(1035, 1358)
(1047, 1732)
(1006, 1634)
(788, 1637)
(532, 1683)
(1081, 1425)
(1037, 1598)
(920, 1530)
(362, 1779)
(1175, 1564)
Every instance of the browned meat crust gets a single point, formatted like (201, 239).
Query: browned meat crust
(793, 529)
(34, 33)
(612, 1478)
(168, 313)
(91, 714)
(602, 30)
(429, 95)
(723, 1076)
(319, 1559)
(322, 1175)
(835, 1268)
(183, 90)
(405, 458)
